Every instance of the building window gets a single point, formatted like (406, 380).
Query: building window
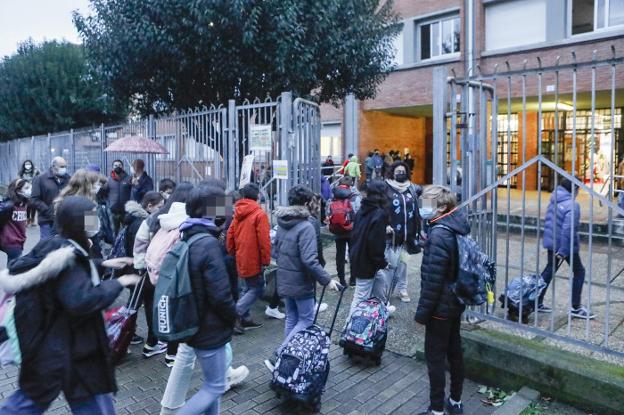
(515, 23)
(438, 38)
(586, 16)
(331, 141)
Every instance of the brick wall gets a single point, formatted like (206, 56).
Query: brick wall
(411, 8)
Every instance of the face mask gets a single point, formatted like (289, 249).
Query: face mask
(26, 193)
(62, 171)
(165, 195)
(427, 213)
(118, 169)
(400, 177)
(91, 231)
(28, 166)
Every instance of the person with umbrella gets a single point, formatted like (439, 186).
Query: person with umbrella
(141, 181)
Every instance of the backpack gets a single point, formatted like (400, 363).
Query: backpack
(367, 328)
(175, 313)
(522, 290)
(9, 343)
(158, 248)
(476, 274)
(340, 216)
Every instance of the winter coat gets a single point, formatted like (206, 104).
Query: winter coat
(568, 217)
(58, 318)
(440, 265)
(248, 238)
(45, 189)
(211, 287)
(353, 168)
(325, 188)
(164, 239)
(119, 188)
(404, 215)
(29, 176)
(145, 184)
(342, 192)
(13, 219)
(296, 252)
(366, 252)
(135, 215)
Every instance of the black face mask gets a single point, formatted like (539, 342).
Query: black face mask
(118, 170)
(400, 177)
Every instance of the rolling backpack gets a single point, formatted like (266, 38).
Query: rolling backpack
(366, 332)
(175, 313)
(340, 216)
(302, 365)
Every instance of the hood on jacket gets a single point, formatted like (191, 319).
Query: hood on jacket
(289, 216)
(134, 209)
(342, 192)
(456, 221)
(245, 207)
(50, 267)
(174, 218)
(354, 159)
(561, 194)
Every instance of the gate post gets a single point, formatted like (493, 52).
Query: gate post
(351, 136)
(439, 128)
(285, 129)
(230, 150)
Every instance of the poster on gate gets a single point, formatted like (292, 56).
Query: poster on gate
(245, 177)
(280, 169)
(260, 137)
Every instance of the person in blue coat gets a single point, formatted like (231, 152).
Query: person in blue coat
(561, 240)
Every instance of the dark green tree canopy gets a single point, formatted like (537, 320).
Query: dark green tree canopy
(47, 87)
(173, 54)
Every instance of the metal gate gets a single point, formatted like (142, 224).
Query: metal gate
(510, 137)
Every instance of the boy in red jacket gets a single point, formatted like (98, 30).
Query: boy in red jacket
(248, 239)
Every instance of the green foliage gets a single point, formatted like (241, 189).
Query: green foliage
(47, 87)
(174, 54)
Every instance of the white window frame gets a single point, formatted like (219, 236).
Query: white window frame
(606, 27)
(439, 20)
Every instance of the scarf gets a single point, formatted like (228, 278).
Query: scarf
(399, 187)
(190, 222)
(95, 275)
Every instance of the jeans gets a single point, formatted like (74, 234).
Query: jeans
(442, 342)
(341, 251)
(577, 282)
(252, 290)
(46, 231)
(207, 399)
(402, 281)
(12, 253)
(299, 316)
(180, 377)
(19, 403)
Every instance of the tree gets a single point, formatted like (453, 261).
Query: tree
(47, 87)
(174, 54)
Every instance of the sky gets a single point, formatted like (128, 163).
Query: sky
(39, 20)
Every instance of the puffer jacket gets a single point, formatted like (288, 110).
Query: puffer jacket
(353, 168)
(59, 323)
(119, 188)
(135, 215)
(440, 265)
(164, 239)
(45, 188)
(567, 208)
(404, 215)
(366, 252)
(248, 238)
(296, 252)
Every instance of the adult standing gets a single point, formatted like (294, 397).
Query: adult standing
(46, 187)
(13, 218)
(405, 220)
(141, 181)
(28, 172)
(369, 166)
(409, 160)
(328, 166)
(119, 189)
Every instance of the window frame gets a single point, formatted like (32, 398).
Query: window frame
(606, 28)
(430, 21)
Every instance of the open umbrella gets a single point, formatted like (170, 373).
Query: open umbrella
(136, 144)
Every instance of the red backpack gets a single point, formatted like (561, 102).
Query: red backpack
(340, 216)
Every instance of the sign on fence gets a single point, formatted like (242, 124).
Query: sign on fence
(245, 177)
(260, 137)
(280, 169)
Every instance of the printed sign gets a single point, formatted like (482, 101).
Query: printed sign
(245, 177)
(260, 137)
(280, 169)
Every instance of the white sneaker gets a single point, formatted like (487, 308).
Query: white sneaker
(234, 377)
(391, 309)
(404, 296)
(321, 307)
(274, 313)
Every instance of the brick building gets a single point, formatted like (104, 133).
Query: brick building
(506, 32)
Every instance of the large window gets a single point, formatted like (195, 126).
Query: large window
(515, 23)
(587, 16)
(331, 141)
(438, 38)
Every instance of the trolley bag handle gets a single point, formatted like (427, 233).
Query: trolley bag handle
(135, 297)
(341, 291)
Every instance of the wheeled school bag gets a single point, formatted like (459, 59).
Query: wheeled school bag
(302, 366)
(367, 330)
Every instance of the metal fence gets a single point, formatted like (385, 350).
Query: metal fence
(204, 142)
(515, 133)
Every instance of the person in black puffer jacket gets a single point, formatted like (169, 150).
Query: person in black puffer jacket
(439, 310)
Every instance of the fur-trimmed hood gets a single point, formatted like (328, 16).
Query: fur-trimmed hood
(50, 267)
(289, 216)
(134, 209)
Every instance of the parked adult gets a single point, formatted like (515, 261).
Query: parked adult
(46, 187)
(28, 172)
(14, 218)
(119, 189)
(141, 181)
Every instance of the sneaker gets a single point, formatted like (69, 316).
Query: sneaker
(274, 313)
(404, 296)
(238, 327)
(430, 412)
(453, 409)
(321, 307)
(270, 363)
(391, 309)
(544, 309)
(234, 377)
(169, 360)
(581, 312)
(352, 282)
(250, 325)
(136, 339)
(158, 348)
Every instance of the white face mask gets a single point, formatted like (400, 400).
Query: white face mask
(427, 213)
(61, 171)
(26, 192)
(28, 166)
(92, 231)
